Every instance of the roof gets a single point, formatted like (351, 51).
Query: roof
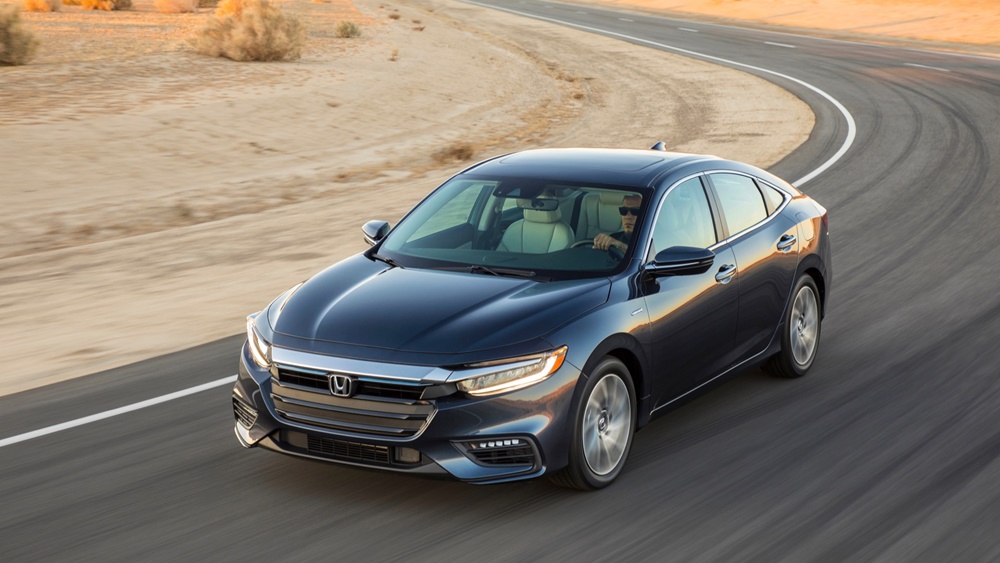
(599, 166)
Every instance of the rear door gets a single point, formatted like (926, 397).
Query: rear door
(766, 251)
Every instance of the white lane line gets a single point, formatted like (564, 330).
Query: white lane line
(925, 66)
(115, 412)
(785, 45)
(626, 20)
(851, 127)
(688, 29)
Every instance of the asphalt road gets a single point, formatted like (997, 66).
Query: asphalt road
(889, 450)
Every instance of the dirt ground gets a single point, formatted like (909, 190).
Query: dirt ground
(154, 196)
(960, 25)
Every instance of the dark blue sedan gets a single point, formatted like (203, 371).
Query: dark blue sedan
(533, 312)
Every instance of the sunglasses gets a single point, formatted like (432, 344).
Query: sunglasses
(626, 210)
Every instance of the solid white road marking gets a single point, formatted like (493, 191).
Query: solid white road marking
(115, 412)
(688, 29)
(925, 66)
(626, 20)
(785, 45)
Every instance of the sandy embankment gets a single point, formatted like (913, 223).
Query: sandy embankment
(154, 197)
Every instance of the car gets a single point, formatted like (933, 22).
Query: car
(534, 311)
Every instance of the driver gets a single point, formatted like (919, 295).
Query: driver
(630, 214)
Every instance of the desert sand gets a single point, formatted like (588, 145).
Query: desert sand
(961, 25)
(154, 196)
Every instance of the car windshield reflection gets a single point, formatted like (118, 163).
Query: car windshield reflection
(520, 227)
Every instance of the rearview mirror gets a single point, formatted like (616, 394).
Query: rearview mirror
(680, 261)
(375, 231)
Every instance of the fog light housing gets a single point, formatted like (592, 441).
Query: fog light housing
(406, 455)
(503, 451)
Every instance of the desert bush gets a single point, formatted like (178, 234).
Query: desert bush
(459, 152)
(251, 30)
(107, 5)
(346, 29)
(71, 2)
(42, 5)
(17, 44)
(176, 6)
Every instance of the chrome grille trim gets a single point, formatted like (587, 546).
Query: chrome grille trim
(313, 407)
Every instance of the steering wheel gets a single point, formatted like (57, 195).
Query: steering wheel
(613, 251)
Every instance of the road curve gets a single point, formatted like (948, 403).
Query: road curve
(888, 450)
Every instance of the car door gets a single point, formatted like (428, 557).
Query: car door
(766, 250)
(692, 317)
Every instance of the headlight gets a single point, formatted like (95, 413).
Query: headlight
(507, 375)
(260, 350)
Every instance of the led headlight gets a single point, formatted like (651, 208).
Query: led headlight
(260, 350)
(507, 375)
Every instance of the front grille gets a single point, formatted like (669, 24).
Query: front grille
(353, 451)
(245, 414)
(320, 380)
(298, 397)
(508, 455)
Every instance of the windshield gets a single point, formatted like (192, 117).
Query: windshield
(519, 226)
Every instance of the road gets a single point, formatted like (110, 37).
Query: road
(889, 450)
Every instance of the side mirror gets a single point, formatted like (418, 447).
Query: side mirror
(375, 231)
(681, 261)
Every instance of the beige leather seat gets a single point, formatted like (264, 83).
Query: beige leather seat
(599, 214)
(539, 232)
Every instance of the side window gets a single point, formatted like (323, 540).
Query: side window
(741, 201)
(685, 218)
(774, 197)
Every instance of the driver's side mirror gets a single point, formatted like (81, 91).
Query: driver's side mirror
(375, 231)
(680, 261)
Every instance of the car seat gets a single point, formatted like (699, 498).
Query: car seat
(542, 229)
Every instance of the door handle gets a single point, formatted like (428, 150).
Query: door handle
(725, 274)
(786, 242)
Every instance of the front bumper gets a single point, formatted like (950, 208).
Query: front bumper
(509, 436)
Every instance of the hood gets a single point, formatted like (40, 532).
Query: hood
(360, 302)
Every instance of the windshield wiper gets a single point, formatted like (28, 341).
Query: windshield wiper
(480, 269)
(386, 259)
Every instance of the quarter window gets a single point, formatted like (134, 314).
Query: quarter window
(685, 218)
(741, 201)
(774, 197)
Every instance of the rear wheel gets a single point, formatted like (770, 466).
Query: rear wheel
(800, 335)
(603, 426)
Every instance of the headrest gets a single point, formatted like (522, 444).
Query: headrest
(539, 216)
(615, 198)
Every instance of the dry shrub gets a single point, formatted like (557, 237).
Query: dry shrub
(17, 44)
(394, 16)
(346, 30)
(106, 5)
(458, 152)
(251, 30)
(176, 6)
(71, 2)
(42, 5)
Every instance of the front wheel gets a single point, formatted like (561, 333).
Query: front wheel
(800, 336)
(604, 423)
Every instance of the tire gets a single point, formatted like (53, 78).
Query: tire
(800, 333)
(603, 426)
